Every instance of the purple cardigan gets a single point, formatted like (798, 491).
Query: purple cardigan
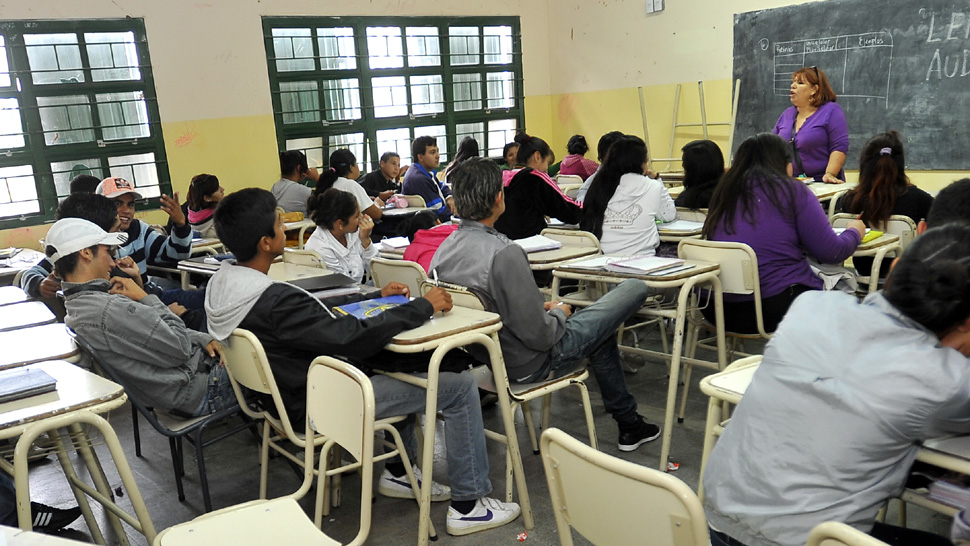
(781, 241)
(823, 132)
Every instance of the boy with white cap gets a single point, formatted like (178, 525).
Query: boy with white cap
(169, 366)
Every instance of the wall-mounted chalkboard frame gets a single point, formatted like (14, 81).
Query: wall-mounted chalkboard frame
(895, 64)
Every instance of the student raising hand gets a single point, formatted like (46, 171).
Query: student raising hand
(172, 207)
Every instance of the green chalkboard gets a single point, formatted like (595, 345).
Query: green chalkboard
(894, 64)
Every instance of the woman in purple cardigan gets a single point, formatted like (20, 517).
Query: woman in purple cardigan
(815, 128)
(758, 203)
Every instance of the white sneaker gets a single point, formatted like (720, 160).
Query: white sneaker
(487, 514)
(400, 488)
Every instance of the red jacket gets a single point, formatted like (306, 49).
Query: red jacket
(426, 243)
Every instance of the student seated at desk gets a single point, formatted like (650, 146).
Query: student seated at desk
(467, 148)
(294, 328)
(290, 192)
(758, 203)
(168, 366)
(426, 234)
(383, 183)
(530, 195)
(884, 190)
(602, 150)
(342, 237)
(539, 339)
(703, 168)
(342, 175)
(422, 178)
(576, 163)
(833, 418)
(204, 195)
(626, 201)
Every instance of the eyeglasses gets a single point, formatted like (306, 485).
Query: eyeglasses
(815, 68)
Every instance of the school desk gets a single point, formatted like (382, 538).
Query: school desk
(24, 315)
(76, 404)
(545, 260)
(703, 273)
(300, 226)
(29, 345)
(12, 294)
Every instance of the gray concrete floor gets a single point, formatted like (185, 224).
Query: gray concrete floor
(233, 469)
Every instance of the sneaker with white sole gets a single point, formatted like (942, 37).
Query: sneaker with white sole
(400, 488)
(487, 514)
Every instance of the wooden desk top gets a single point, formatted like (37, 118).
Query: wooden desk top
(401, 213)
(882, 240)
(563, 253)
(24, 314)
(77, 389)
(564, 270)
(12, 294)
(826, 191)
(284, 271)
(29, 345)
(457, 321)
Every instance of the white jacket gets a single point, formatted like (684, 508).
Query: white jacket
(352, 260)
(630, 220)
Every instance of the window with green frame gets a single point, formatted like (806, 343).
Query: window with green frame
(373, 84)
(76, 97)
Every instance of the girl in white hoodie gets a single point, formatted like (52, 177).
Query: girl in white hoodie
(625, 201)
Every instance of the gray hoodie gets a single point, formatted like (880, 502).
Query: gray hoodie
(230, 295)
(144, 342)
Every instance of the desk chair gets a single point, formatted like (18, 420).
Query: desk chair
(255, 523)
(570, 190)
(302, 256)
(173, 428)
(568, 180)
(644, 505)
(341, 407)
(724, 388)
(414, 200)
(833, 202)
(833, 533)
(495, 378)
(900, 225)
(739, 275)
(384, 271)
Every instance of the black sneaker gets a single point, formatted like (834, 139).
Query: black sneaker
(636, 434)
(48, 518)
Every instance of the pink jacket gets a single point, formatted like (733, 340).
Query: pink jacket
(426, 243)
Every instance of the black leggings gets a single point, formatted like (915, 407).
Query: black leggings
(740, 316)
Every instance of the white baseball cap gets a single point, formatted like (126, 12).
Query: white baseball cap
(70, 235)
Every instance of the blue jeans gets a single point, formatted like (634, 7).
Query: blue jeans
(464, 431)
(218, 394)
(591, 332)
(8, 502)
(190, 299)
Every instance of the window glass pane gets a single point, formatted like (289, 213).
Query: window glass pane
(474, 130)
(54, 58)
(114, 52)
(11, 128)
(354, 142)
(395, 140)
(423, 46)
(501, 89)
(123, 115)
(439, 132)
(4, 67)
(390, 97)
(312, 148)
(427, 95)
(18, 193)
(500, 133)
(139, 169)
(498, 45)
(342, 99)
(337, 50)
(384, 47)
(65, 171)
(66, 120)
(300, 102)
(464, 45)
(468, 91)
(293, 49)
